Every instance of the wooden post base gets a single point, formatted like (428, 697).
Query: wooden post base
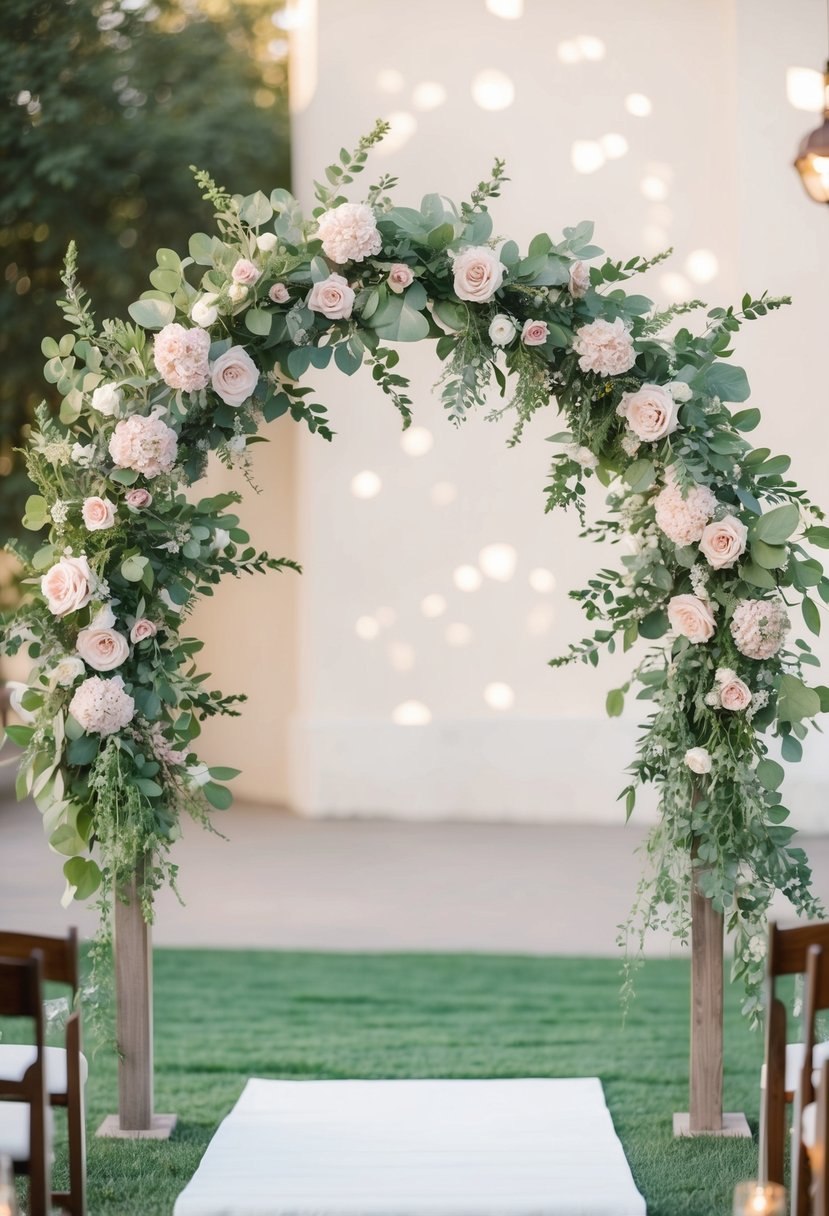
(733, 1124)
(162, 1128)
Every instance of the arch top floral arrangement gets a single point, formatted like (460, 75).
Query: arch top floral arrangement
(715, 539)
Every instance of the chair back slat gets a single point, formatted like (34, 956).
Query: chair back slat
(60, 954)
(20, 988)
(788, 947)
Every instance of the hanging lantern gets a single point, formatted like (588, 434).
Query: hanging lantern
(812, 161)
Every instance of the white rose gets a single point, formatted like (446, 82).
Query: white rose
(83, 454)
(107, 399)
(582, 456)
(679, 390)
(579, 280)
(698, 760)
(723, 542)
(221, 540)
(692, 617)
(237, 292)
(502, 330)
(104, 618)
(199, 774)
(67, 671)
(478, 274)
(234, 376)
(204, 312)
(266, 242)
(102, 649)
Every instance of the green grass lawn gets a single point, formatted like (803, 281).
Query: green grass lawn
(224, 1016)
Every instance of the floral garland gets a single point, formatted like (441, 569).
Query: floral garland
(714, 532)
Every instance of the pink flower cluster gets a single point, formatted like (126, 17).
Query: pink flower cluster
(683, 517)
(605, 347)
(181, 356)
(349, 233)
(102, 707)
(164, 751)
(147, 445)
(759, 627)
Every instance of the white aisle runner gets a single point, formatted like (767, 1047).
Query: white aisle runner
(415, 1148)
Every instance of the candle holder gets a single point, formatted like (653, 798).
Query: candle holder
(8, 1193)
(759, 1199)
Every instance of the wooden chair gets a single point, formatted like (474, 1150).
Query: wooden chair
(787, 954)
(27, 1140)
(810, 1130)
(66, 1067)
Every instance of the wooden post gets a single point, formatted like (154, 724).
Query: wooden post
(705, 1116)
(134, 1013)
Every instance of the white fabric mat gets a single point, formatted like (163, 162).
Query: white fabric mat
(415, 1148)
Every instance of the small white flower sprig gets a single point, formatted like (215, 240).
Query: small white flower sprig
(219, 344)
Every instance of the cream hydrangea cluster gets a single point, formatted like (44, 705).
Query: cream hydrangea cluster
(147, 445)
(349, 233)
(683, 516)
(102, 707)
(759, 627)
(605, 347)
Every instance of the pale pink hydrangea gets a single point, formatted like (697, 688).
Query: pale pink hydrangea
(102, 707)
(759, 627)
(605, 347)
(147, 445)
(181, 357)
(683, 517)
(349, 233)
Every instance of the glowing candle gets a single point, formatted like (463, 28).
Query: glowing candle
(759, 1199)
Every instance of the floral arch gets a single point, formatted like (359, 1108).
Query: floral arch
(717, 535)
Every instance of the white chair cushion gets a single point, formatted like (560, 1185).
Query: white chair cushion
(808, 1127)
(794, 1064)
(16, 1059)
(14, 1129)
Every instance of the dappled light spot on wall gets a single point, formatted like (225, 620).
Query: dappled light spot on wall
(655, 238)
(367, 628)
(702, 265)
(401, 656)
(654, 188)
(428, 95)
(542, 580)
(402, 126)
(586, 155)
(498, 562)
(411, 713)
(443, 493)
(366, 484)
(638, 105)
(591, 48)
(614, 145)
(458, 634)
(417, 441)
(385, 617)
(493, 90)
(804, 89)
(568, 52)
(675, 286)
(433, 605)
(510, 10)
(499, 696)
(540, 620)
(467, 578)
(389, 80)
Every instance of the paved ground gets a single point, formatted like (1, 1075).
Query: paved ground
(367, 885)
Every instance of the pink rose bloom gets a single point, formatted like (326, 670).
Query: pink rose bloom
(139, 499)
(478, 274)
(691, 617)
(181, 357)
(535, 333)
(759, 627)
(245, 272)
(731, 692)
(102, 707)
(332, 297)
(67, 586)
(400, 277)
(147, 445)
(650, 413)
(102, 649)
(98, 513)
(605, 347)
(579, 280)
(683, 519)
(349, 233)
(142, 629)
(234, 376)
(279, 293)
(723, 542)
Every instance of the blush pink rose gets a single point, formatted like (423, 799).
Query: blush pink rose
(67, 586)
(102, 649)
(279, 293)
(400, 277)
(650, 413)
(142, 629)
(535, 333)
(723, 542)
(734, 694)
(98, 513)
(234, 376)
(245, 272)
(579, 280)
(478, 274)
(332, 297)
(139, 499)
(691, 617)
